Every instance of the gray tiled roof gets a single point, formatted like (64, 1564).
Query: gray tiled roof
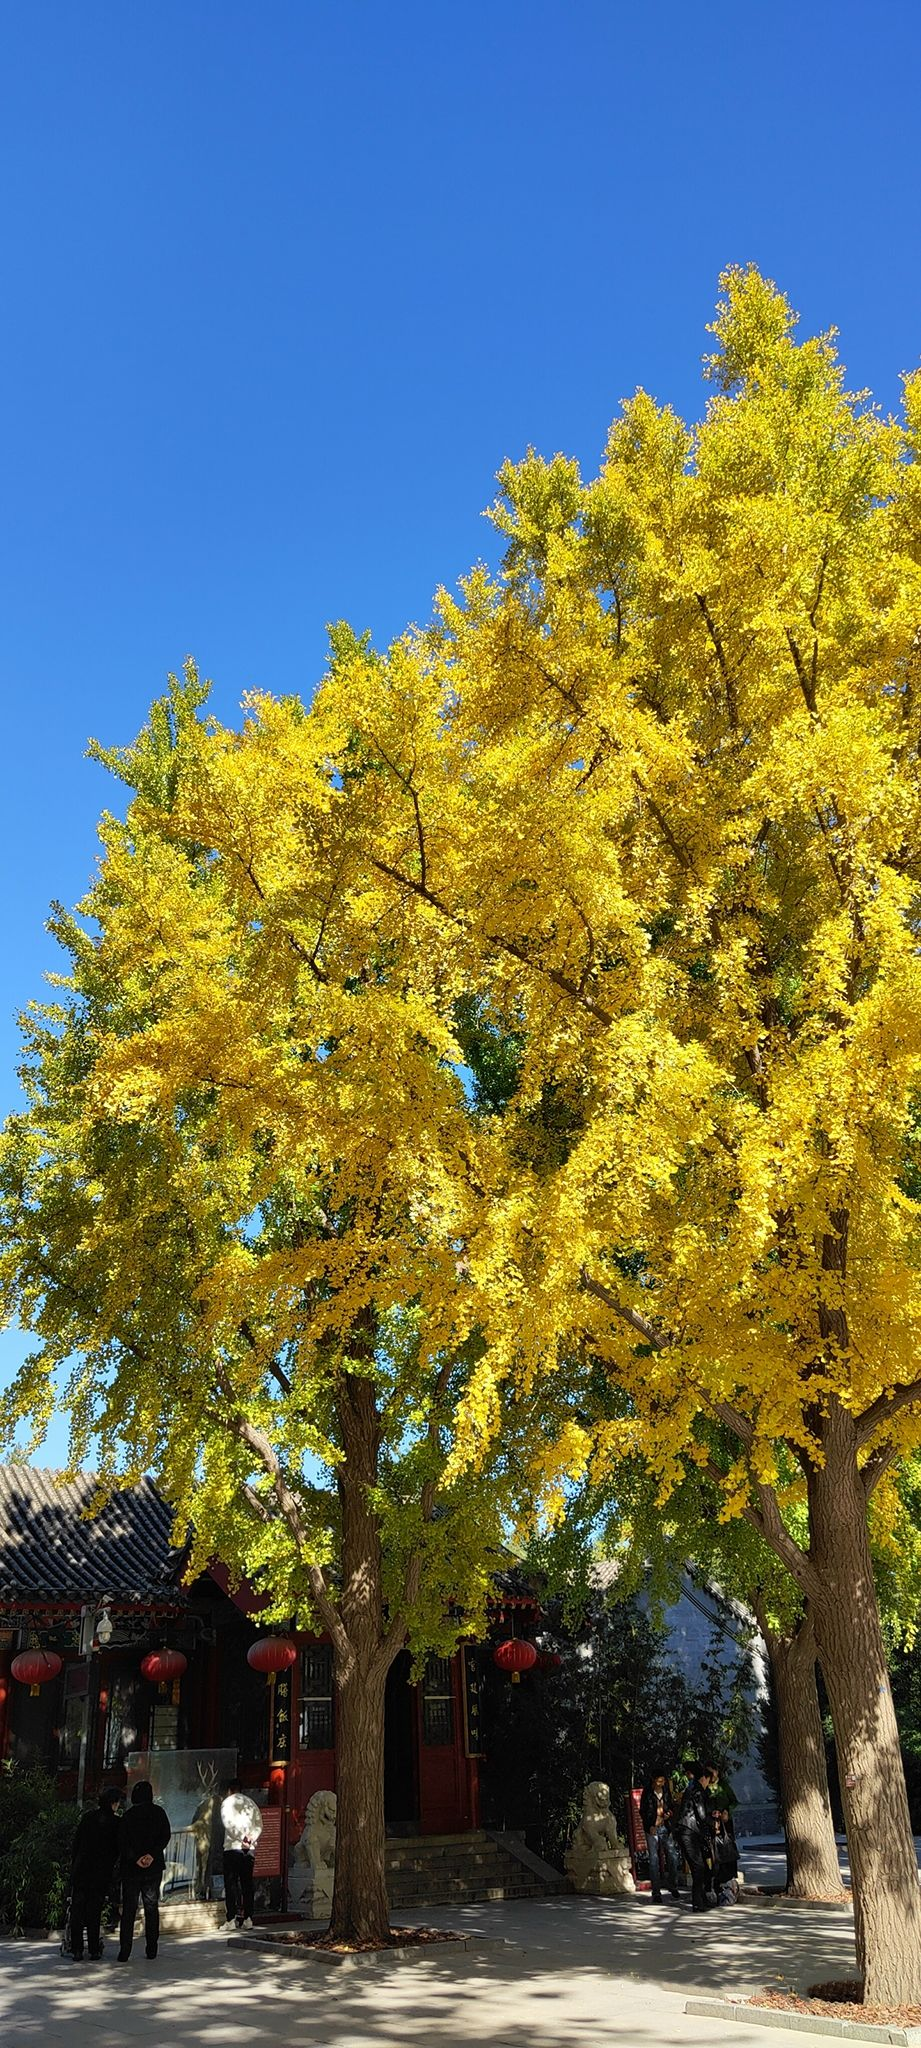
(47, 1551)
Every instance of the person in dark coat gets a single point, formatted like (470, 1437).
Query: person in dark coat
(656, 1816)
(725, 1857)
(143, 1835)
(694, 1834)
(93, 1860)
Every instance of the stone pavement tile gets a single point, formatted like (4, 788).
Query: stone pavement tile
(597, 1974)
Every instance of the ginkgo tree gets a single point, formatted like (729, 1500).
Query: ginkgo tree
(658, 788)
(234, 1213)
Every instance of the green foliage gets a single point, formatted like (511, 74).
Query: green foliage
(492, 1055)
(36, 1837)
(614, 1709)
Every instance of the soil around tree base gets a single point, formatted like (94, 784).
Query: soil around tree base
(398, 1937)
(841, 2000)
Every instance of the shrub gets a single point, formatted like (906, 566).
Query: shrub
(36, 1836)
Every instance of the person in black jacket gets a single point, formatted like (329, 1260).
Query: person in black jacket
(725, 1857)
(656, 1816)
(93, 1860)
(694, 1834)
(143, 1835)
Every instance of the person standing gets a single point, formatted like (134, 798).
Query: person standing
(656, 1816)
(242, 1824)
(725, 1858)
(143, 1835)
(93, 1860)
(694, 1834)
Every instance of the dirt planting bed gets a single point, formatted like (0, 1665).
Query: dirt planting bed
(840, 2001)
(399, 1937)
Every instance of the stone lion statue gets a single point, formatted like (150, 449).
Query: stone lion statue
(310, 1881)
(597, 1860)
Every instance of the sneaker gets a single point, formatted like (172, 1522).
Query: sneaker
(226, 1925)
(247, 1923)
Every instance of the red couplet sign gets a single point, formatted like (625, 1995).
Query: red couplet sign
(636, 1835)
(268, 1847)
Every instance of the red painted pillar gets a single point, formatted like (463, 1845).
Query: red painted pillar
(6, 1658)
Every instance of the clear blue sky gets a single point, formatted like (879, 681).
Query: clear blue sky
(284, 284)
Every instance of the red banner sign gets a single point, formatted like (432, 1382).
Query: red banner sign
(268, 1847)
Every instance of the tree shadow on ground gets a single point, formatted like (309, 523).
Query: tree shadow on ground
(593, 1970)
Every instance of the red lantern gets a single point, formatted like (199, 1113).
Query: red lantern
(271, 1654)
(163, 1667)
(34, 1668)
(549, 1660)
(515, 1656)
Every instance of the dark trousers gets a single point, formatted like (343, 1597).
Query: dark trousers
(238, 1884)
(143, 1885)
(700, 1877)
(661, 1841)
(86, 1904)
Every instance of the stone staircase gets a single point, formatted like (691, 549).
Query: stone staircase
(422, 1870)
(429, 1870)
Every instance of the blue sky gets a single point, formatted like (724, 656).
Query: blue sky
(285, 283)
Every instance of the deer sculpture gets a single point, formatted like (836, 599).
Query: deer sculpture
(201, 1828)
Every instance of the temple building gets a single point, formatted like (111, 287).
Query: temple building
(112, 1666)
(97, 1601)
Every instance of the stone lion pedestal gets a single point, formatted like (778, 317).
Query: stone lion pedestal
(597, 1860)
(313, 1863)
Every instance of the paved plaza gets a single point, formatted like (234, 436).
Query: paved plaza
(580, 1973)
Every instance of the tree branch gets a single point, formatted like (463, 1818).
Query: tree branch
(502, 944)
(729, 681)
(803, 676)
(882, 1410)
(256, 1441)
(763, 1514)
(657, 1340)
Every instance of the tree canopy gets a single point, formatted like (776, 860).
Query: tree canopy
(646, 808)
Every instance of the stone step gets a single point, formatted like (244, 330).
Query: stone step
(463, 1869)
(191, 1916)
(436, 1865)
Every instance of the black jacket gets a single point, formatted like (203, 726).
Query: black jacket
(649, 1806)
(95, 1850)
(143, 1831)
(694, 1818)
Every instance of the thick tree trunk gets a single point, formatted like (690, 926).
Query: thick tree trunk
(362, 1656)
(884, 1868)
(361, 1910)
(812, 1853)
